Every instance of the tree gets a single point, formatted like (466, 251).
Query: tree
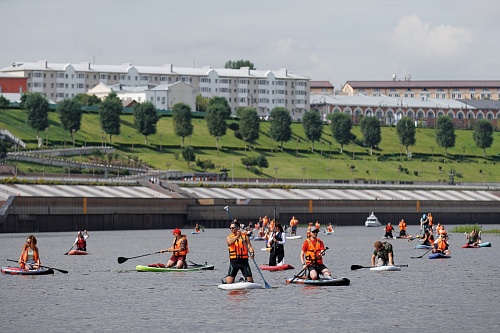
(201, 103)
(341, 126)
(87, 100)
(370, 128)
(483, 134)
(70, 114)
(238, 64)
(110, 110)
(37, 109)
(181, 113)
(313, 126)
(4, 103)
(281, 123)
(188, 154)
(249, 125)
(218, 111)
(145, 119)
(406, 132)
(445, 133)
(205, 164)
(252, 161)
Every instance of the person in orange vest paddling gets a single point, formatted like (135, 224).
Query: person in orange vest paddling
(179, 250)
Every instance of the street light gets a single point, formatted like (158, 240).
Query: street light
(432, 149)
(73, 136)
(276, 168)
(304, 173)
(168, 168)
(328, 171)
(47, 137)
(376, 176)
(399, 171)
(420, 174)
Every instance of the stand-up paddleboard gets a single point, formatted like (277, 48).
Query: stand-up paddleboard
(439, 256)
(293, 237)
(77, 253)
(20, 271)
(275, 268)
(485, 244)
(422, 246)
(322, 281)
(265, 249)
(470, 246)
(328, 232)
(190, 268)
(240, 286)
(195, 232)
(386, 268)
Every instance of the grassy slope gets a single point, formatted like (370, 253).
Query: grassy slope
(307, 165)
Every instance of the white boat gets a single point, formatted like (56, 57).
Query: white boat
(372, 221)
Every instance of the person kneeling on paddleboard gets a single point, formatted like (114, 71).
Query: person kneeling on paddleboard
(81, 240)
(384, 253)
(240, 249)
(179, 250)
(311, 256)
(442, 245)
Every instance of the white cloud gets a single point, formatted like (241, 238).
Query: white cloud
(413, 36)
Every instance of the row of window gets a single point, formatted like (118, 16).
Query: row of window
(379, 90)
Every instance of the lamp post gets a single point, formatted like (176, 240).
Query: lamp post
(420, 175)
(463, 152)
(432, 149)
(376, 176)
(328, 171)
(304, 174)
(276, 168)
(168, 170)
(47, 137)
(399, 171)
(440, 176)
(102, 139)
(73, 136)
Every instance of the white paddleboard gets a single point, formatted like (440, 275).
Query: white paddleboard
(385, 268)
(240, 285)
(293, 237)
(265, 249)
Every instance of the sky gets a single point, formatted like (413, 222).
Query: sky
(325, 40)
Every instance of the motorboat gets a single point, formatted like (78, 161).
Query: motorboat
(372, 221)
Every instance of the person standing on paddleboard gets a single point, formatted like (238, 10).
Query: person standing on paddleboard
(293, 224)
(311, 256)
(81, 240)
(240, 249)
(179, 250)
(30, 257)
(277, 244)
(384, 253)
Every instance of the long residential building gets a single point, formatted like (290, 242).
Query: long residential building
(438, 89)
(259, 89)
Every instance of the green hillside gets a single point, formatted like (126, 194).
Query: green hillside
(296, 161)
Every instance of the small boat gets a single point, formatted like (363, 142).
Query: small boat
(20, 271)
(162, 268)
(275, 268)
(422, 246)
(439, 256)
(386, 268)
(77, 253)
(322, 281)
(372, 221)
(240, 286)
(293, 237)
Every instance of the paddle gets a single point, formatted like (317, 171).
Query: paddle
(69, 250)
(355, 267)
(121, 260)
(245, 245)
(312, 262)
(56, 269)
(422, 254)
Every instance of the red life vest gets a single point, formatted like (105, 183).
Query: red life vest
(81, 243)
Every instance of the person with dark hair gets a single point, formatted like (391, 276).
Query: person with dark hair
(30, 258)
(179, 250)
(384, 253)
(240, 249)
(277, 244)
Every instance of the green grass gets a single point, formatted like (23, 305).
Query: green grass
(469, 227)
(295, 162)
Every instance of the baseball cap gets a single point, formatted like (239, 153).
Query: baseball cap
(176, 231)
(315, 230)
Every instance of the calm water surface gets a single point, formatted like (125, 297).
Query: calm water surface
(458, 294)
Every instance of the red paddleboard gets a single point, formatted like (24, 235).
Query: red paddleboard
(275, 268)
(466, 246)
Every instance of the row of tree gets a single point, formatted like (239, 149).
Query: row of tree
(218, 112)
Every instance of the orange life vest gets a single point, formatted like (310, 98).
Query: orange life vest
(294, 222)
(238, 250)
(177, 247)
(430, 218)
(442, 245)
(313, 249)
(330, 229)
(402, 225)
(317, 225)
(24, 256)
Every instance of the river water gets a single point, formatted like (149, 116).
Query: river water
(98, 294)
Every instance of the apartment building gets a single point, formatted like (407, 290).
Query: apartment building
(259, 89)
(462, 89)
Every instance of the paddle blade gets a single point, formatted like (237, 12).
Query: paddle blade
(355, 267)
(121, 260)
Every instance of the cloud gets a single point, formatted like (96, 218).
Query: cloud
(413, 36)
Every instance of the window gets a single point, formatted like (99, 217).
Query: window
(80, 85)
(262, 91)
(263, 82)
(204, 89)
(242, 81)
(102, 76)
(242, 91)
(81, 76)
(60, 85)
(122, 77)
(60, 75)
(205, 80)
(35, 74)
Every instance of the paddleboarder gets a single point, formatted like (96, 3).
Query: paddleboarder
(293, 226)
(81, 240)
(30, 257)
(388, 231)
(384, 253)
(179, 250)
(240, 249)
(277, 244)
(311, 256)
